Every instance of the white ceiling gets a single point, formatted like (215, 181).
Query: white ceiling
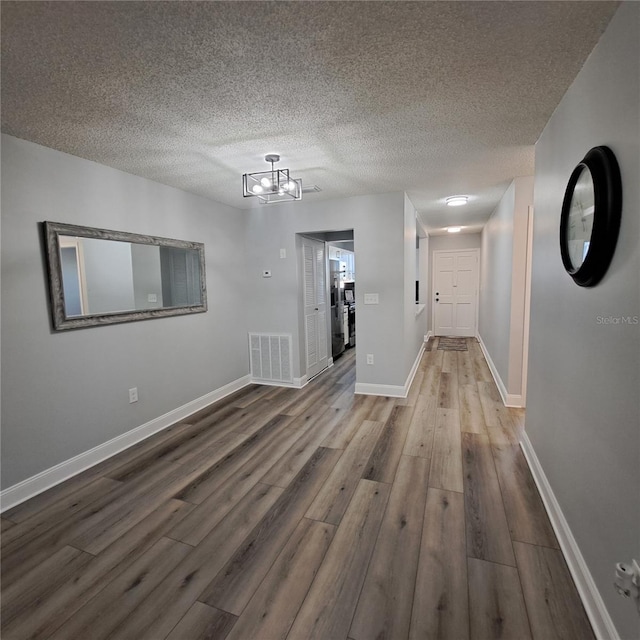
(431, 98)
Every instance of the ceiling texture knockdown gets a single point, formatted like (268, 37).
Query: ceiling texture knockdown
(432, 98)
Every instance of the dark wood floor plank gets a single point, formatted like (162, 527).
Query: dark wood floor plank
(158, 614)
(496, 605)
(448, 391)
(101, 529)
(526, 515)
(33, 547)
(419, 440)
(286, 469)
(203, 622)
(272, 610)
(5, 525)
(487, 529)
(237, 581)
(481, 371)
(471, 416)
(465, 368)
(330, 604)
(58, 512)
(440, 603)
(549, 594)
(383, 461)
(39, 583)
(351, 422)
(491, 402)
(170, 449)
(382, 408)
(446, 458)
(101, 615)
(213, 475)
(450, 362)
(384, 607)
(218, 504)
(334, 497)
(50, 612)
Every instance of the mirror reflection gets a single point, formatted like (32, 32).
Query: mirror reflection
(580, 220)
(100, 277)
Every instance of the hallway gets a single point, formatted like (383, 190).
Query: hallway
(313, 513)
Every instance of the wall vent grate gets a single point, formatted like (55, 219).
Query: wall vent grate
(270, 355)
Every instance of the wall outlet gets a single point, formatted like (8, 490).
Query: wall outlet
(133, 395)
(369, 358)
(371, 298)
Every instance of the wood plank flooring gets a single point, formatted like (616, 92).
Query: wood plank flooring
(302, 513)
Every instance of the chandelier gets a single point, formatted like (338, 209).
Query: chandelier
(272, 186)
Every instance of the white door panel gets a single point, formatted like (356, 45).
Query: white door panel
(455, 289)
(314, 280)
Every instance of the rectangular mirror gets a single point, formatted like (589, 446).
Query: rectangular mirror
(101, 277)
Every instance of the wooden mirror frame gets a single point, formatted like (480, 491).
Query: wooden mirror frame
(61, 322)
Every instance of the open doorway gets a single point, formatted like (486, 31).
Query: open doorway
(330, 315)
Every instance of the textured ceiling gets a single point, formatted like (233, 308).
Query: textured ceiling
(432, 98)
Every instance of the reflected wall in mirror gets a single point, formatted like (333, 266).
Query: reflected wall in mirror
(101, 277)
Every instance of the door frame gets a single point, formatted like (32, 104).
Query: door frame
(327, 329)
(476, 251)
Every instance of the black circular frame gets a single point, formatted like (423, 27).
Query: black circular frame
(607, 187)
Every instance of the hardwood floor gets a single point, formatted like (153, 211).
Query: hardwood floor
(312, 513)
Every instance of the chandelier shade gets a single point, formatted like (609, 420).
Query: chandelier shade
(273, 186)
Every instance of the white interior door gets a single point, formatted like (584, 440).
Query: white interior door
(455, 293)
(315, 305)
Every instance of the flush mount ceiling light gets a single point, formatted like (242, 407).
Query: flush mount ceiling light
(272, 186)
(457, 201)
(454, 229)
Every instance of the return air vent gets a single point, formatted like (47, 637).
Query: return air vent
(270, 357)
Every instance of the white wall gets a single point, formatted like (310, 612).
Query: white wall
(378, 227)
(66, 392)
(503, 264)
(583, 408)
(447, 242)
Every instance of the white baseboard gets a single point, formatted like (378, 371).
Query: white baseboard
(391, 390)
(494, 371)
(428, 336)
(49, 478)
(599, 617)
(515, 400)
(296, 383)
(508, 399)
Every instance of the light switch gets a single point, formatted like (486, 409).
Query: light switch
(371, 298)
(283, 253)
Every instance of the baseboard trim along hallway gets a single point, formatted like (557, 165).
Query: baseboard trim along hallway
(599, 617)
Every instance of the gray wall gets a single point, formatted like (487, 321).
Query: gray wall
(583, 411)
(66, 392)
(503, 264)
(446, 242)
(377, 223)
(415, 326)
(494, 320)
